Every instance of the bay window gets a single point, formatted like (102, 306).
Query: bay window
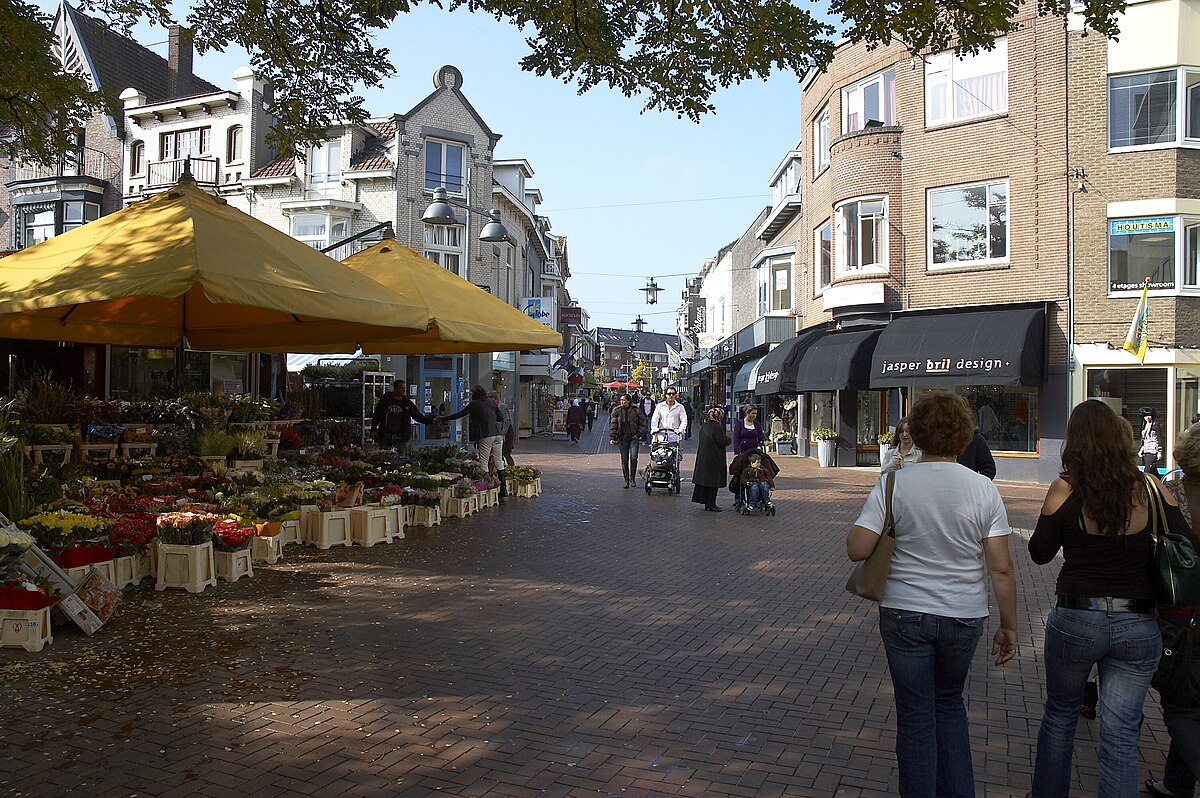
(965, 87)
(781, 285)
(325, 170)
(968, 224)
(872, 99)
(1154, 109)
(861, 231)
(320, 230)
(1165, 249)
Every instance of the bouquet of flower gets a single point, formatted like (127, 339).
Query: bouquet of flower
(420, 498)
(465, 487)
(132, 532)
(524, 474)
(186, 528)
(13, 544)
(390, 495)
(63, 529)
(26, 593)
(229, 535)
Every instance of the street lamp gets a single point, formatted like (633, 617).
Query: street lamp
(651, 289)
(441, 212)
(494, 231)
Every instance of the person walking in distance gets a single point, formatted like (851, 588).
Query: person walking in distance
(1152, 437)
(626, 428)
(575, 420)
(391, 421)
(709, 474)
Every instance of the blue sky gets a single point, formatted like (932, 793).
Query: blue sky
(637, 195)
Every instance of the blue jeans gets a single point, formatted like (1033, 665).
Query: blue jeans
(929, 657)
(629, 455)
(758, 493)
(1124, 647)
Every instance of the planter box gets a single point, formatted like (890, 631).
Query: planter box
(528, 490)
(489, 498)
(218, 459)
(272, 448)
(266, 549)
(325, 530)
(27, 629)
(57, 453)
(826, 450)
(125, 572)
(136, 450)
(246, 466)
(89, 450)
(289, 532)
(233, 565)
(783, 448)
(459, 506)
(187, 567)
(372, 524)
(77, 575)
(147, 563)
(424, 516)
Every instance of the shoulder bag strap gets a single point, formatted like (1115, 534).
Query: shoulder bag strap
(889, 523)
(1155, 509)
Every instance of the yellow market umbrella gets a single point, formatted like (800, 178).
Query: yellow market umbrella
(186, 268)
(464, 317)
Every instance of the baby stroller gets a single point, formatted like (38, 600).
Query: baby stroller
(739, 490)
(663, 470)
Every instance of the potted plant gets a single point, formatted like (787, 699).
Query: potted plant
(826, 438)
(782, 442)
(231, 549)
(249, 446)
(214, 444)
(886, 440)
(185, 551)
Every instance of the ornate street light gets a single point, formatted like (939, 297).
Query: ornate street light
(651, 289)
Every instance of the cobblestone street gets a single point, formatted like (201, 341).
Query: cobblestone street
(591, 641)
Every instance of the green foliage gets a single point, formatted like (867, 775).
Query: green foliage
(250, 444)
(14, 495)
(212, 442)
(45, 401)
(316, 53)
(824, 434)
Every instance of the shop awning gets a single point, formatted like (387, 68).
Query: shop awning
(746, 376)
(777, 370)
(837, 361)
(989, 347)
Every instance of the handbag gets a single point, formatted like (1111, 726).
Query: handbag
(1174, 669)
(870, 576)
(1175, 558)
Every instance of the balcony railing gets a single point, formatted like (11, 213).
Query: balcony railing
(92, 163)
(205, 171)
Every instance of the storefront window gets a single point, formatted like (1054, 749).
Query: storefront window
(820, 409)
(1007, 416)
(1125, 390)
(868, 417)
(137, 373)
(229, 373)
(1187, 398)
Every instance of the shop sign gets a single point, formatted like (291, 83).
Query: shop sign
(1134, 227)
(724, 350)
(935, 367)
(540, 309)
(570, 315)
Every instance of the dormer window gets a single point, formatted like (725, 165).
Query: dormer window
(325, 170)
(444, 166)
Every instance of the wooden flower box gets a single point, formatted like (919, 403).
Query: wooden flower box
(87, 451)
(105, 567)
(460, 506)
(218, 459)
(147, 563)
(289, 533)
(272, 448)
(136, 450)
(266, 549)
(27, 629)
(233, 565)
(372, 524)
(246, 466)
(188, 567)
(125, 571)
(325, 530)
(397, 520)
(57, 453)
(424, 516)
(527, 490)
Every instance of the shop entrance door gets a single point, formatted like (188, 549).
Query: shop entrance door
(872, 415)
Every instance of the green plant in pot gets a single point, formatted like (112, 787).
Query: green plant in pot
(45, 401)
(824, 434)
(249, 444)
(886, 439)
(213, 442)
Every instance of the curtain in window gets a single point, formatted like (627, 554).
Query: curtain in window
(984, 94)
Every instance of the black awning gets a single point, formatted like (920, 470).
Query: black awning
(777, 370)
(837, 361)
(990, 347)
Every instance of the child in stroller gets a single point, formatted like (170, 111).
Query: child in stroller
(752, 478)
(663, 469)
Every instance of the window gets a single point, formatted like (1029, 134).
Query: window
(1006, 416)
(38, 225)
(443, 246)
(325, 170)
(958, 88)
(137, 158)
(872, 99)
(821, 142)
(823, 259)
(185, 143)
(77, 213)
(968, 224)
(788, 183)
(860, 236)
(44, 220)
(1191, 256)
(762, 295)
(233, 145)
(444, 166)
(820, 410)
(1141, 248)
(781, 285)
(320, 230)
(1153, 108)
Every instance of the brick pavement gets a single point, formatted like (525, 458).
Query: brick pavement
(594, 641)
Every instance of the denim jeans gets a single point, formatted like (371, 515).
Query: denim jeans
(629, 455)
(758, 493)
(1125, 648)
(929, 657)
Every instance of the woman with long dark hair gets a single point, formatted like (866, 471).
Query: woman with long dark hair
(1097, 514)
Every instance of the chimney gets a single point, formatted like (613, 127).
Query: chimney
(179, 62)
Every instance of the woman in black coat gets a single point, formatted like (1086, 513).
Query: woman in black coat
(709, 475)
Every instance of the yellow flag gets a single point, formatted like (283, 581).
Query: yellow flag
(1136, 340)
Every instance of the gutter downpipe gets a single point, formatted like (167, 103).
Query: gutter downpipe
(1070, 223)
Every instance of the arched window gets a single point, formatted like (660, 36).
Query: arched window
(137, 158)
(233, 147)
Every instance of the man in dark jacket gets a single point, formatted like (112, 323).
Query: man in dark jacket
(391, 423)
(483, 430)
(978, 456)
(626, 428)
